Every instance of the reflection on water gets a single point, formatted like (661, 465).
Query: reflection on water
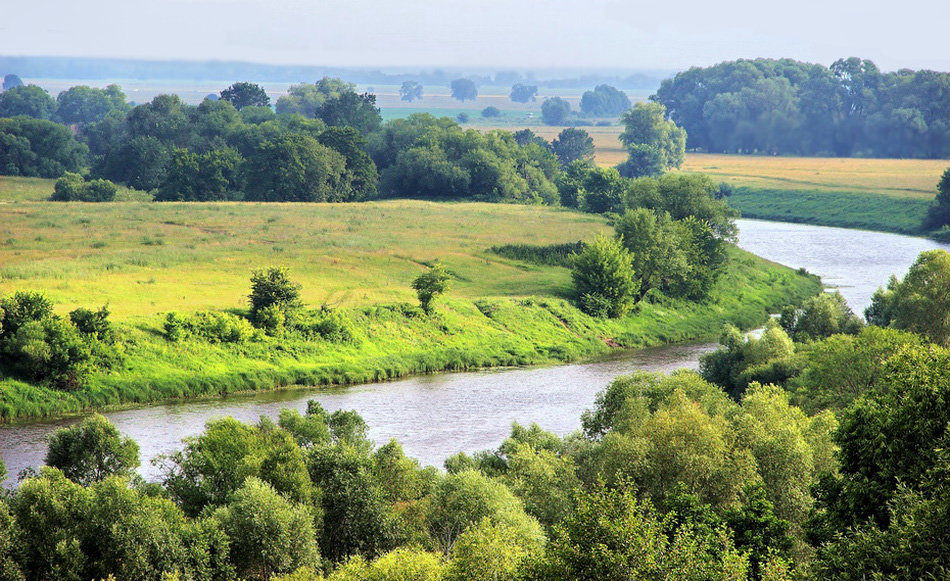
(435, 416)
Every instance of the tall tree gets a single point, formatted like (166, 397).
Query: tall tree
(523, 93)
(92, 450)
(604, 101)
(410, 91)
(573, 144)
(464, 90)
(28, 100)
(245, 94)
(654, 144)
(555, 111)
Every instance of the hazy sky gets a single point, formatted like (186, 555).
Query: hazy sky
(657, 34)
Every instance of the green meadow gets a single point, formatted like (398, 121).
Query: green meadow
(147, 259)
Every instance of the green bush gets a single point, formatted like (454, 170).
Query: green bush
(210, 326)
(604, 279)
(72, 187)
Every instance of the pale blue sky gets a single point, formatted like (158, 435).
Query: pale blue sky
(491, 33)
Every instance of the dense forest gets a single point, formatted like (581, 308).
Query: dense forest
(786, 107)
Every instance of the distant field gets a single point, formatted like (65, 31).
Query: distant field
(143, 258)
(913, 178)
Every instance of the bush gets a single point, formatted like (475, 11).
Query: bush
(72, 187)
(210, 326)
(50, 349)
(273, 297)
(430, 284)
(604, 279)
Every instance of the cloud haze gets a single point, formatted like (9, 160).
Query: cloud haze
(491, 33)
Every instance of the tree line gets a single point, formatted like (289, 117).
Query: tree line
(786, 107)
(322, 142)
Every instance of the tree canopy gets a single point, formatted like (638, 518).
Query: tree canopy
(604, 101)
(245, 94)
(464, 90)
(654, 144)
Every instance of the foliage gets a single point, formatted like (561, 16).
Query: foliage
(550, 255)
(27, 100)
(604, 101)
(491, 111)
(939, 213)
(555, 111)
(682, 196)
(521, 93)
(84, 105)
(464, 89)
(211, 326)
(612, 536)
(603, 278)
(425, 157)
(784, 107)
(268, 535)
(293, 168)
(245, 94)
(573, 144)
(819, 317)
(654, 143)
(273, 293)
(37, 147)
(92, 450)
(74, 188)
(431, 284)
(410, 91)
(919, 303)
(737, 362)
(201, 177)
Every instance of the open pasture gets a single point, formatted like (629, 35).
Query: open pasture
(143, 258)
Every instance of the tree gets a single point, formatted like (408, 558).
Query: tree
(603, 278)
(27, 100)
(292, 168)
(604, 101)
(360, 180)
(573, 144)
(431, 284)
(269, 534)
(820, 316)
(919, 303)
(491, 111)
(653, 143)
(306, 98)
(555, 111)
(245, 94)
(349, 109)
(38, 148)
(73, 187)
(84, 105)
(210, 176)
(273, 296)
(939, 212)
(92, 450)
(654, 243)
(464, 89)
(11, 80)
(410, 91)
(523, 93)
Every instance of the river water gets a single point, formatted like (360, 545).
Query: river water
(435, 416)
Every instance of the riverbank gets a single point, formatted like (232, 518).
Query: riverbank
(395, 340)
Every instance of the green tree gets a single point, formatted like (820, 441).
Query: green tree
(604, 101)
(92, 450)
(74, 188)
(555, 111)
(38, 148)
(292, 168)
(431, 284)
(654, 144)
(84, 105)
(360, 179)
(654, 243)
(410, 91)
(573, 144)
(269, 535)
(939, 213)
(491, 111)
(245, 94)
(11, 80)
(820, 316)
(461, 501)
(523, 93)
(464, 89)
(272, 290)
(28, 101)
(603, 278)
(919, 303)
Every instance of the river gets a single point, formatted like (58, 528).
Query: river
(435, 416)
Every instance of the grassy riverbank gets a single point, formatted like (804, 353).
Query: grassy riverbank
(147, 259)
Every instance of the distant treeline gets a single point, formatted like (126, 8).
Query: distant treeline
(784, 107)
(108, 69)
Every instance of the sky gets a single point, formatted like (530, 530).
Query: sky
(503, 34)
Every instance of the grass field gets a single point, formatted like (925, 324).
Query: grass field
(144, 259)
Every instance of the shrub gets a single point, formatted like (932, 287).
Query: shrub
(72, 187)
(603, 278)
(210, 326)
(273, 297)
